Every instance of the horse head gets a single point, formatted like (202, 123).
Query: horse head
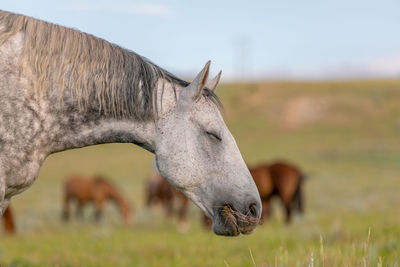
(197, 154)
(126, 212)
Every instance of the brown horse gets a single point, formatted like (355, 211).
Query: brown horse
(160, 191)
(282, 180)
(96, 190)
(278, 179)
(8, 221)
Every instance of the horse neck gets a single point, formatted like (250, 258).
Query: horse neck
(117, 197)
(76, 129)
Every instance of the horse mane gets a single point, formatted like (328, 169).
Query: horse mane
(100, 75)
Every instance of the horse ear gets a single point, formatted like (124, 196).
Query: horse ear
(212, 84)
(195, 89)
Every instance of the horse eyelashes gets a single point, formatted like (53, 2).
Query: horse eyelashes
(214, 136)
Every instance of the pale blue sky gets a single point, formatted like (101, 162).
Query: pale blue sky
(250, 39)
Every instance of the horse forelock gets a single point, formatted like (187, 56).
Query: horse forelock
(100, 75)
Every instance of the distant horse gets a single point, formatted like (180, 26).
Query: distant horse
(94, 190)
(278, 179)
(158, 190)
(282, 180)
(8, 221)
(62, 89)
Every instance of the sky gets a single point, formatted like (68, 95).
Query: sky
(249, 40)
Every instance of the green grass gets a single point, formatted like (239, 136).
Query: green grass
(344, 135)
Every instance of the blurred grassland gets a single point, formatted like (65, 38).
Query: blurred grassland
(344, 135)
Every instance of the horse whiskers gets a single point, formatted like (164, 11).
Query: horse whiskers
(228, 211)
(229, 217)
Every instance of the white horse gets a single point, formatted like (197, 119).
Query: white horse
(62, 89)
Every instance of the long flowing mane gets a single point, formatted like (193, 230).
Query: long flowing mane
(122, 83)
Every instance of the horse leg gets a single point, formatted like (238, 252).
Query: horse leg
(3, 200)
(3, 205)
(266, 209)
(299, 205)
(169, 207)
(288, 214)
(66, 208)
(99, 205)
(79, 210)
(207, 222)
(8, 222)
(287, 204)
(183, 223)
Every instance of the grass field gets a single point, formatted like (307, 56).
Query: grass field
(344, 135)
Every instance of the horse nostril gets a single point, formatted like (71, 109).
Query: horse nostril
(253, 210)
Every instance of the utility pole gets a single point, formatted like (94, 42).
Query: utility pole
(242, 57)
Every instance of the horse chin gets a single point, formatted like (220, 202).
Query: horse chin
(229, 222)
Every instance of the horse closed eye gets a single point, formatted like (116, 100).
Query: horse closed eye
(214, 136)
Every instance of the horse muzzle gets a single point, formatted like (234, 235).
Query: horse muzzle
(228, 221)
